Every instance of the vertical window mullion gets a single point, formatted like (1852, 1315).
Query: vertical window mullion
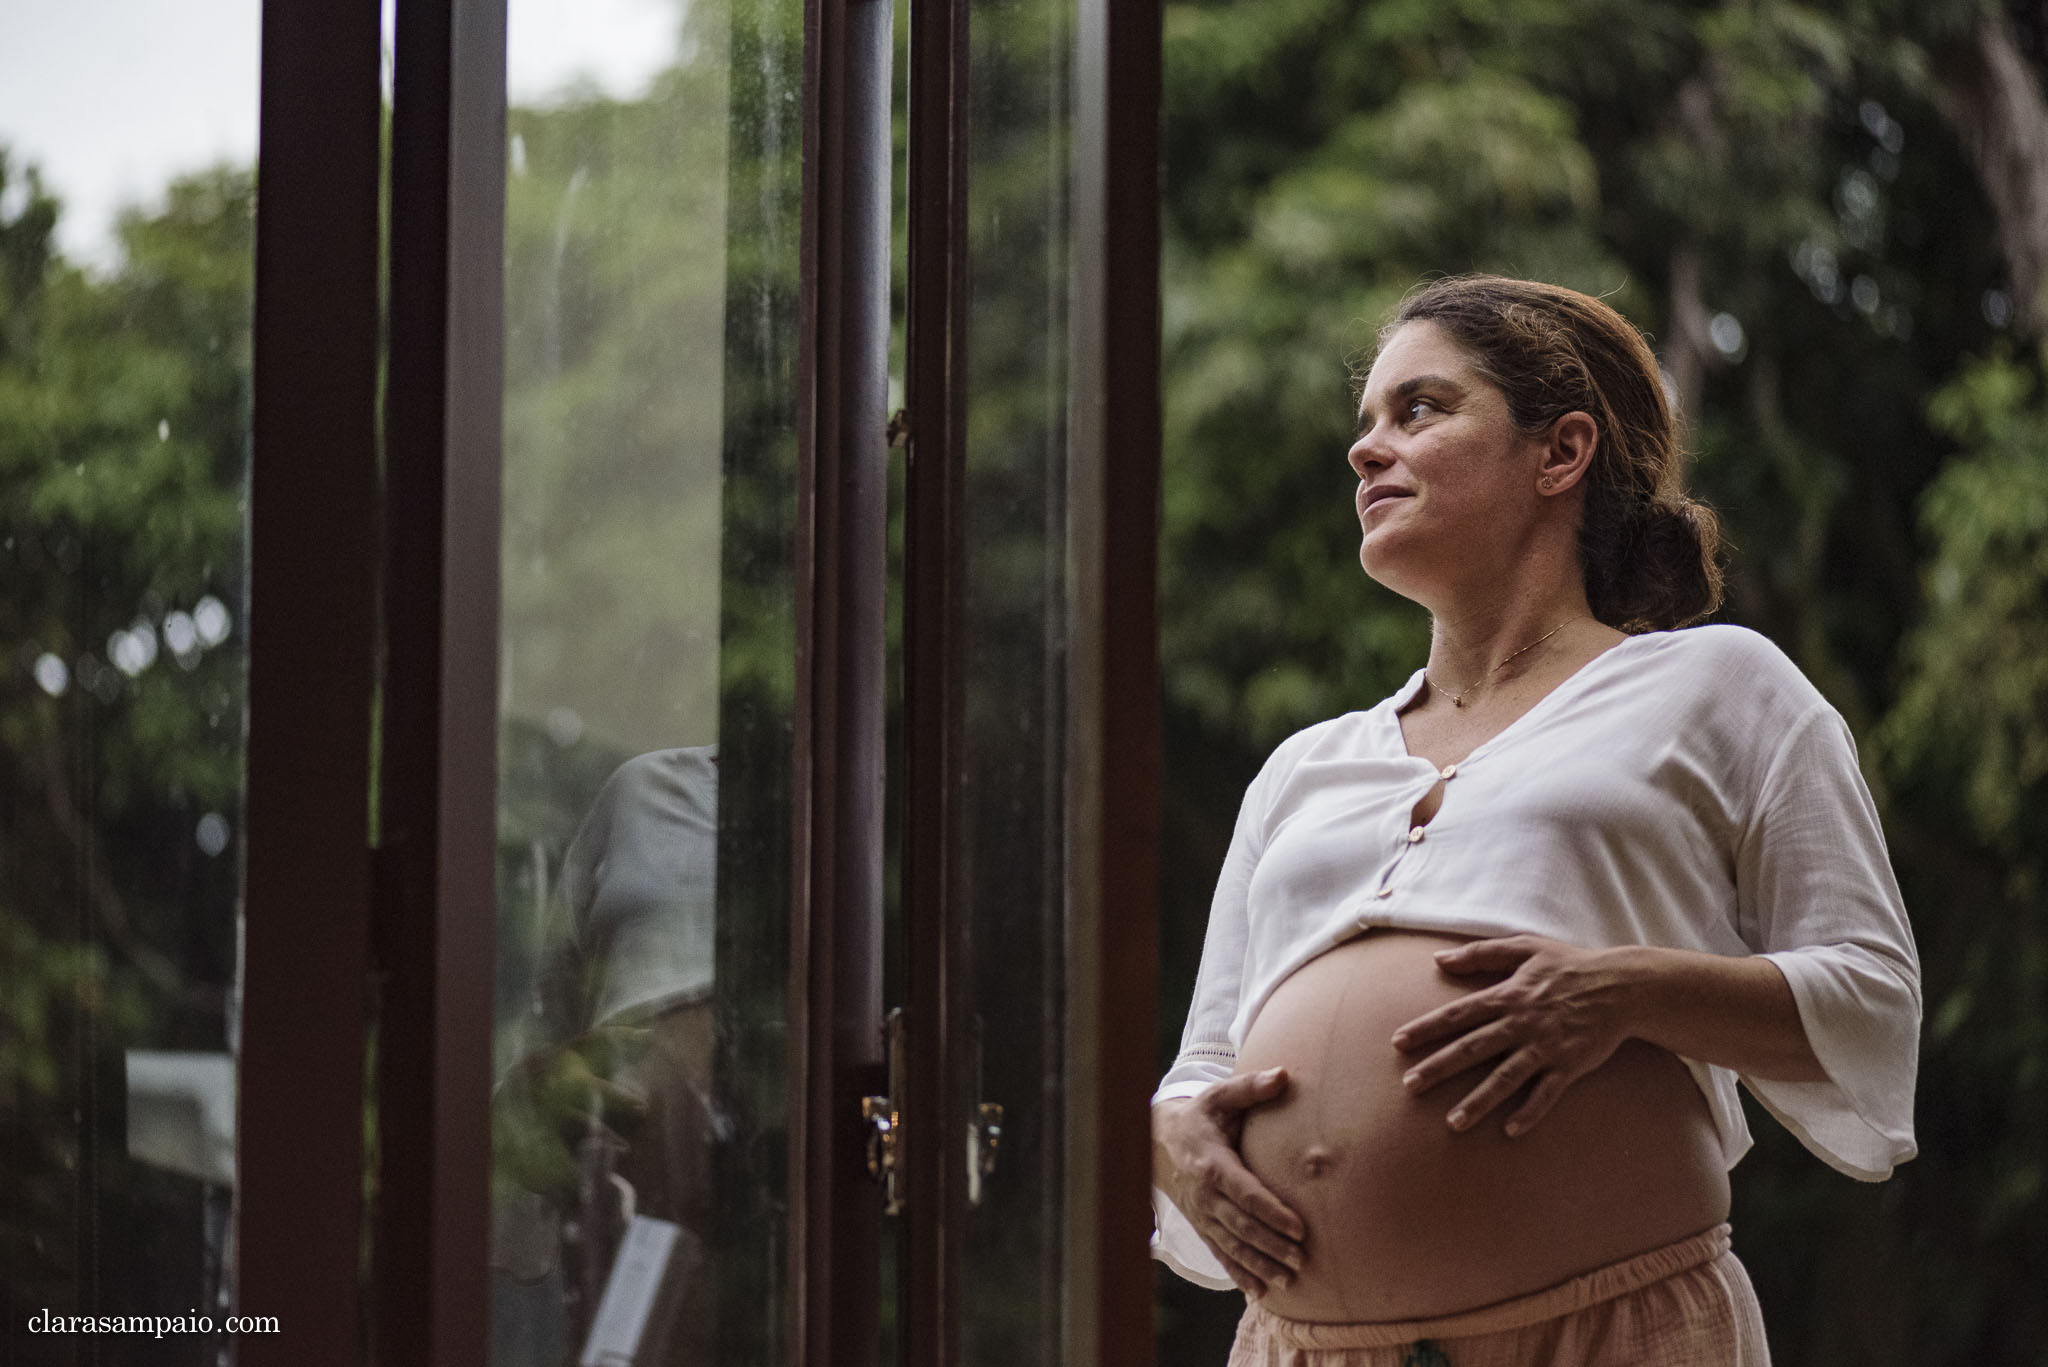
(312, 612)
(935, 975)
(836, 961)
(437, 790)
(1113, 674)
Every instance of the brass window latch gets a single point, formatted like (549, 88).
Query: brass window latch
(984, 1140)
(985, 1125)
(882, 1128)
(882, 1122)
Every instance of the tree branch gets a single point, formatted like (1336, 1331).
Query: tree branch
(1986, 91)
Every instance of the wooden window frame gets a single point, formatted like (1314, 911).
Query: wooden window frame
(312, 613)
(436, 915)
(835, 992)
(343, 942)
(1113, 680)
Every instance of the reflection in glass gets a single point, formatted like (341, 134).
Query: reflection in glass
(647, 665)
(1014, 752)
(126, 270)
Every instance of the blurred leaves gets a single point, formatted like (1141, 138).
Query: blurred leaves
(1974, 705)
(123, 450)
(1781, 197)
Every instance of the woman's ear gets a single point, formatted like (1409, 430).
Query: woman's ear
(1568, 452)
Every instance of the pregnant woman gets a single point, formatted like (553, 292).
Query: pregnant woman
(1486, 960)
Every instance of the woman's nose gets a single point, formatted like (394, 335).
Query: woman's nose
(1365, 456)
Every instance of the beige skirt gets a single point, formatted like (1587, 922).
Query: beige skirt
(1687, 1304)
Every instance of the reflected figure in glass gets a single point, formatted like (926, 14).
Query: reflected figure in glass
(609, 1117)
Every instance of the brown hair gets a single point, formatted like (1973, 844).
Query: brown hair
(1647, 550)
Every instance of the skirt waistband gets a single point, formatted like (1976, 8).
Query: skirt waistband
(1590, 1288)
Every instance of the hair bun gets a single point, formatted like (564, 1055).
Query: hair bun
(1678, 580)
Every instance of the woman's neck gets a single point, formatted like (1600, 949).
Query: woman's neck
(1491, 639)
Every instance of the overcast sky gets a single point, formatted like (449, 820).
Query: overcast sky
(112, 98)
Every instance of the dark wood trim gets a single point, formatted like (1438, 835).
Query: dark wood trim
(1128, 937)
(935, 975)
(311, 630)
(836, 933)
(438, 800)
(1114, 793)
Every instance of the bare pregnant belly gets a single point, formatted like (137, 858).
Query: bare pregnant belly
(1407, 1218)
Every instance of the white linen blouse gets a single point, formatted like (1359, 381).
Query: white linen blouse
(1688, 789)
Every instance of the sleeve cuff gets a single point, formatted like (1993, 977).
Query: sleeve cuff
(1175, 1243)
(1859, 1121)
(1180, 1091)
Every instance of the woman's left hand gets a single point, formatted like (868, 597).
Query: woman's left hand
(1559, 1014)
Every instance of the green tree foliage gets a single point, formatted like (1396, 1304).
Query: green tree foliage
(1819, 215)
(123, 446)
(615, 302)
(1968, 743)
(1974, 709)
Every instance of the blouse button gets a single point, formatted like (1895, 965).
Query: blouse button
(1384, 892)
(1448, 771)
(1415, 835)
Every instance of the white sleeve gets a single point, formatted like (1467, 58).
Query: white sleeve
(1206, 1052)
(1207, 1055)
(1817, 897)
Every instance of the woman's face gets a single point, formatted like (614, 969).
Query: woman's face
(1446, 484)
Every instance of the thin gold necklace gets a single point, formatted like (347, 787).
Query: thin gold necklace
(1458, 698)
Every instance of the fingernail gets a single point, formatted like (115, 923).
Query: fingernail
(1284, 1280)
(1515, 1127)
(1401, 1040)
(1410, 1080)
(1458, 1119)
(1270, 1074)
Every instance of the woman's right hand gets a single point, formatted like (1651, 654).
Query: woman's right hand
(1195, 1162)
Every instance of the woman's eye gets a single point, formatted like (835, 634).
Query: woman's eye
(1415, 407)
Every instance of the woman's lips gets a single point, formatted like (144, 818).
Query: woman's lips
(1373, 498)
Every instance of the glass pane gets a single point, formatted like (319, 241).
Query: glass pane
(648, 658)
(1015, 736)
(126, 269)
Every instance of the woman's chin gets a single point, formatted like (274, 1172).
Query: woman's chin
(1373, 566)
(1382, 562)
